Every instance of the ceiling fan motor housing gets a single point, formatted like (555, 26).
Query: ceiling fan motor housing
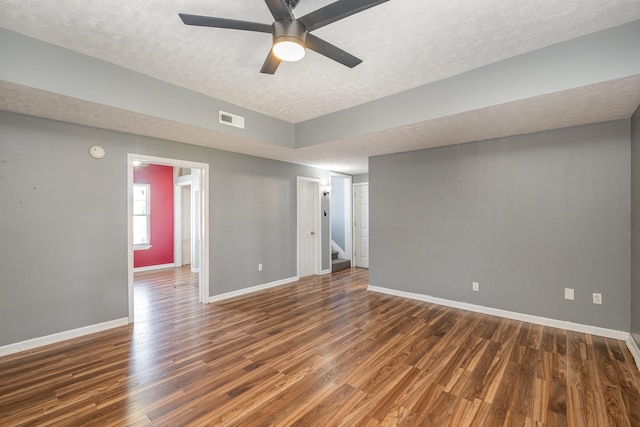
(286, 30)
(292, 3)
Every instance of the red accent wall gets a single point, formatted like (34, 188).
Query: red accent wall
(160, 180)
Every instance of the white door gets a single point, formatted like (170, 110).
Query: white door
(306, 232)
(361, 224)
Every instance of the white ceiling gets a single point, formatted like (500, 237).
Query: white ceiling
(403, 44)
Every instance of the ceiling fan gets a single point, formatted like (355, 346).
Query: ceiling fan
(292, 35)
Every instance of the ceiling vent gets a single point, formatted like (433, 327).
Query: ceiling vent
(230, 119)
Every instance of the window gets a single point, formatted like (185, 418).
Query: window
(141, 231)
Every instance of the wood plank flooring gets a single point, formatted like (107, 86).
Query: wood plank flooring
(319, 352)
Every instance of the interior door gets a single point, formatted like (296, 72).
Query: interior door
(306, 231)
(361, 224)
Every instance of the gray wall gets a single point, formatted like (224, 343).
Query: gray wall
(63, 222)
(325, 223)
(524, 216)
(360, 179)
(635, 226)
(337, 211)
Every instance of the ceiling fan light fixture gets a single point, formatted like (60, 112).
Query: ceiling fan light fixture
(289, 40)
(288, 49)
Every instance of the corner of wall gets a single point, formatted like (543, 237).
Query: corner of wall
(635, 228)
(634, 349)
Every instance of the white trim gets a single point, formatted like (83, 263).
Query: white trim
(61, 336)
(323, 272)
(328, 203)
(336, 247)
(183, 180)
(252, 289)
(347, 252)
(177, 221)
(147, 190)
(179, 183)
(560, 324)
(154, 267)
(634, 349)
(130, 248)
(205, 231)
(317, 220)
(204, 205)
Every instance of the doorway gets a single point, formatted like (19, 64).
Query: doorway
(183, 235)
(341, 216)
(187, 217)
(199, 216)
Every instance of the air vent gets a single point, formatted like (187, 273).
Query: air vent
(231, 119)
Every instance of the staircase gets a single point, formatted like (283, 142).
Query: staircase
(338, 264)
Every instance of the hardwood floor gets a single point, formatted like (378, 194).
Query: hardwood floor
(319, 352)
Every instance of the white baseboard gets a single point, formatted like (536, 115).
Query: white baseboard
(61, 336)
(560, 324)
(634, 349)
(327, 271)
(154, 267)
(240, 292)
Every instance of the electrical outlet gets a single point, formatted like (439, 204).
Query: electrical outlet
(569, 294)
(597, 298)
(259, 267)
(475, 286)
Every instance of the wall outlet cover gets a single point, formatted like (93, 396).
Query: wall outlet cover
(569, 294)
(597, 298)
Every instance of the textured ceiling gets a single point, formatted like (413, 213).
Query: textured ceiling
(403, 44)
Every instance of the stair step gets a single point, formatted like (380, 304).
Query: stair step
(334, 254)
(340, 264)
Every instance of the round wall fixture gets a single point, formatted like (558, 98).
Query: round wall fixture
(97, 152)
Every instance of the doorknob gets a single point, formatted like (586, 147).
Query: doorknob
(313, 233)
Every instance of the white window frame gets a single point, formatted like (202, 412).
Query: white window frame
(147, 245)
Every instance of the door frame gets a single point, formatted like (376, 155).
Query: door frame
(203, 286)
(317, 225)
(179, 183)
(353, 220)
(348, 205)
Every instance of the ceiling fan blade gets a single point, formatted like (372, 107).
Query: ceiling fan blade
(270, 64)
(330, 51)
(279, 9)
(209, 21)
(336, 11)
